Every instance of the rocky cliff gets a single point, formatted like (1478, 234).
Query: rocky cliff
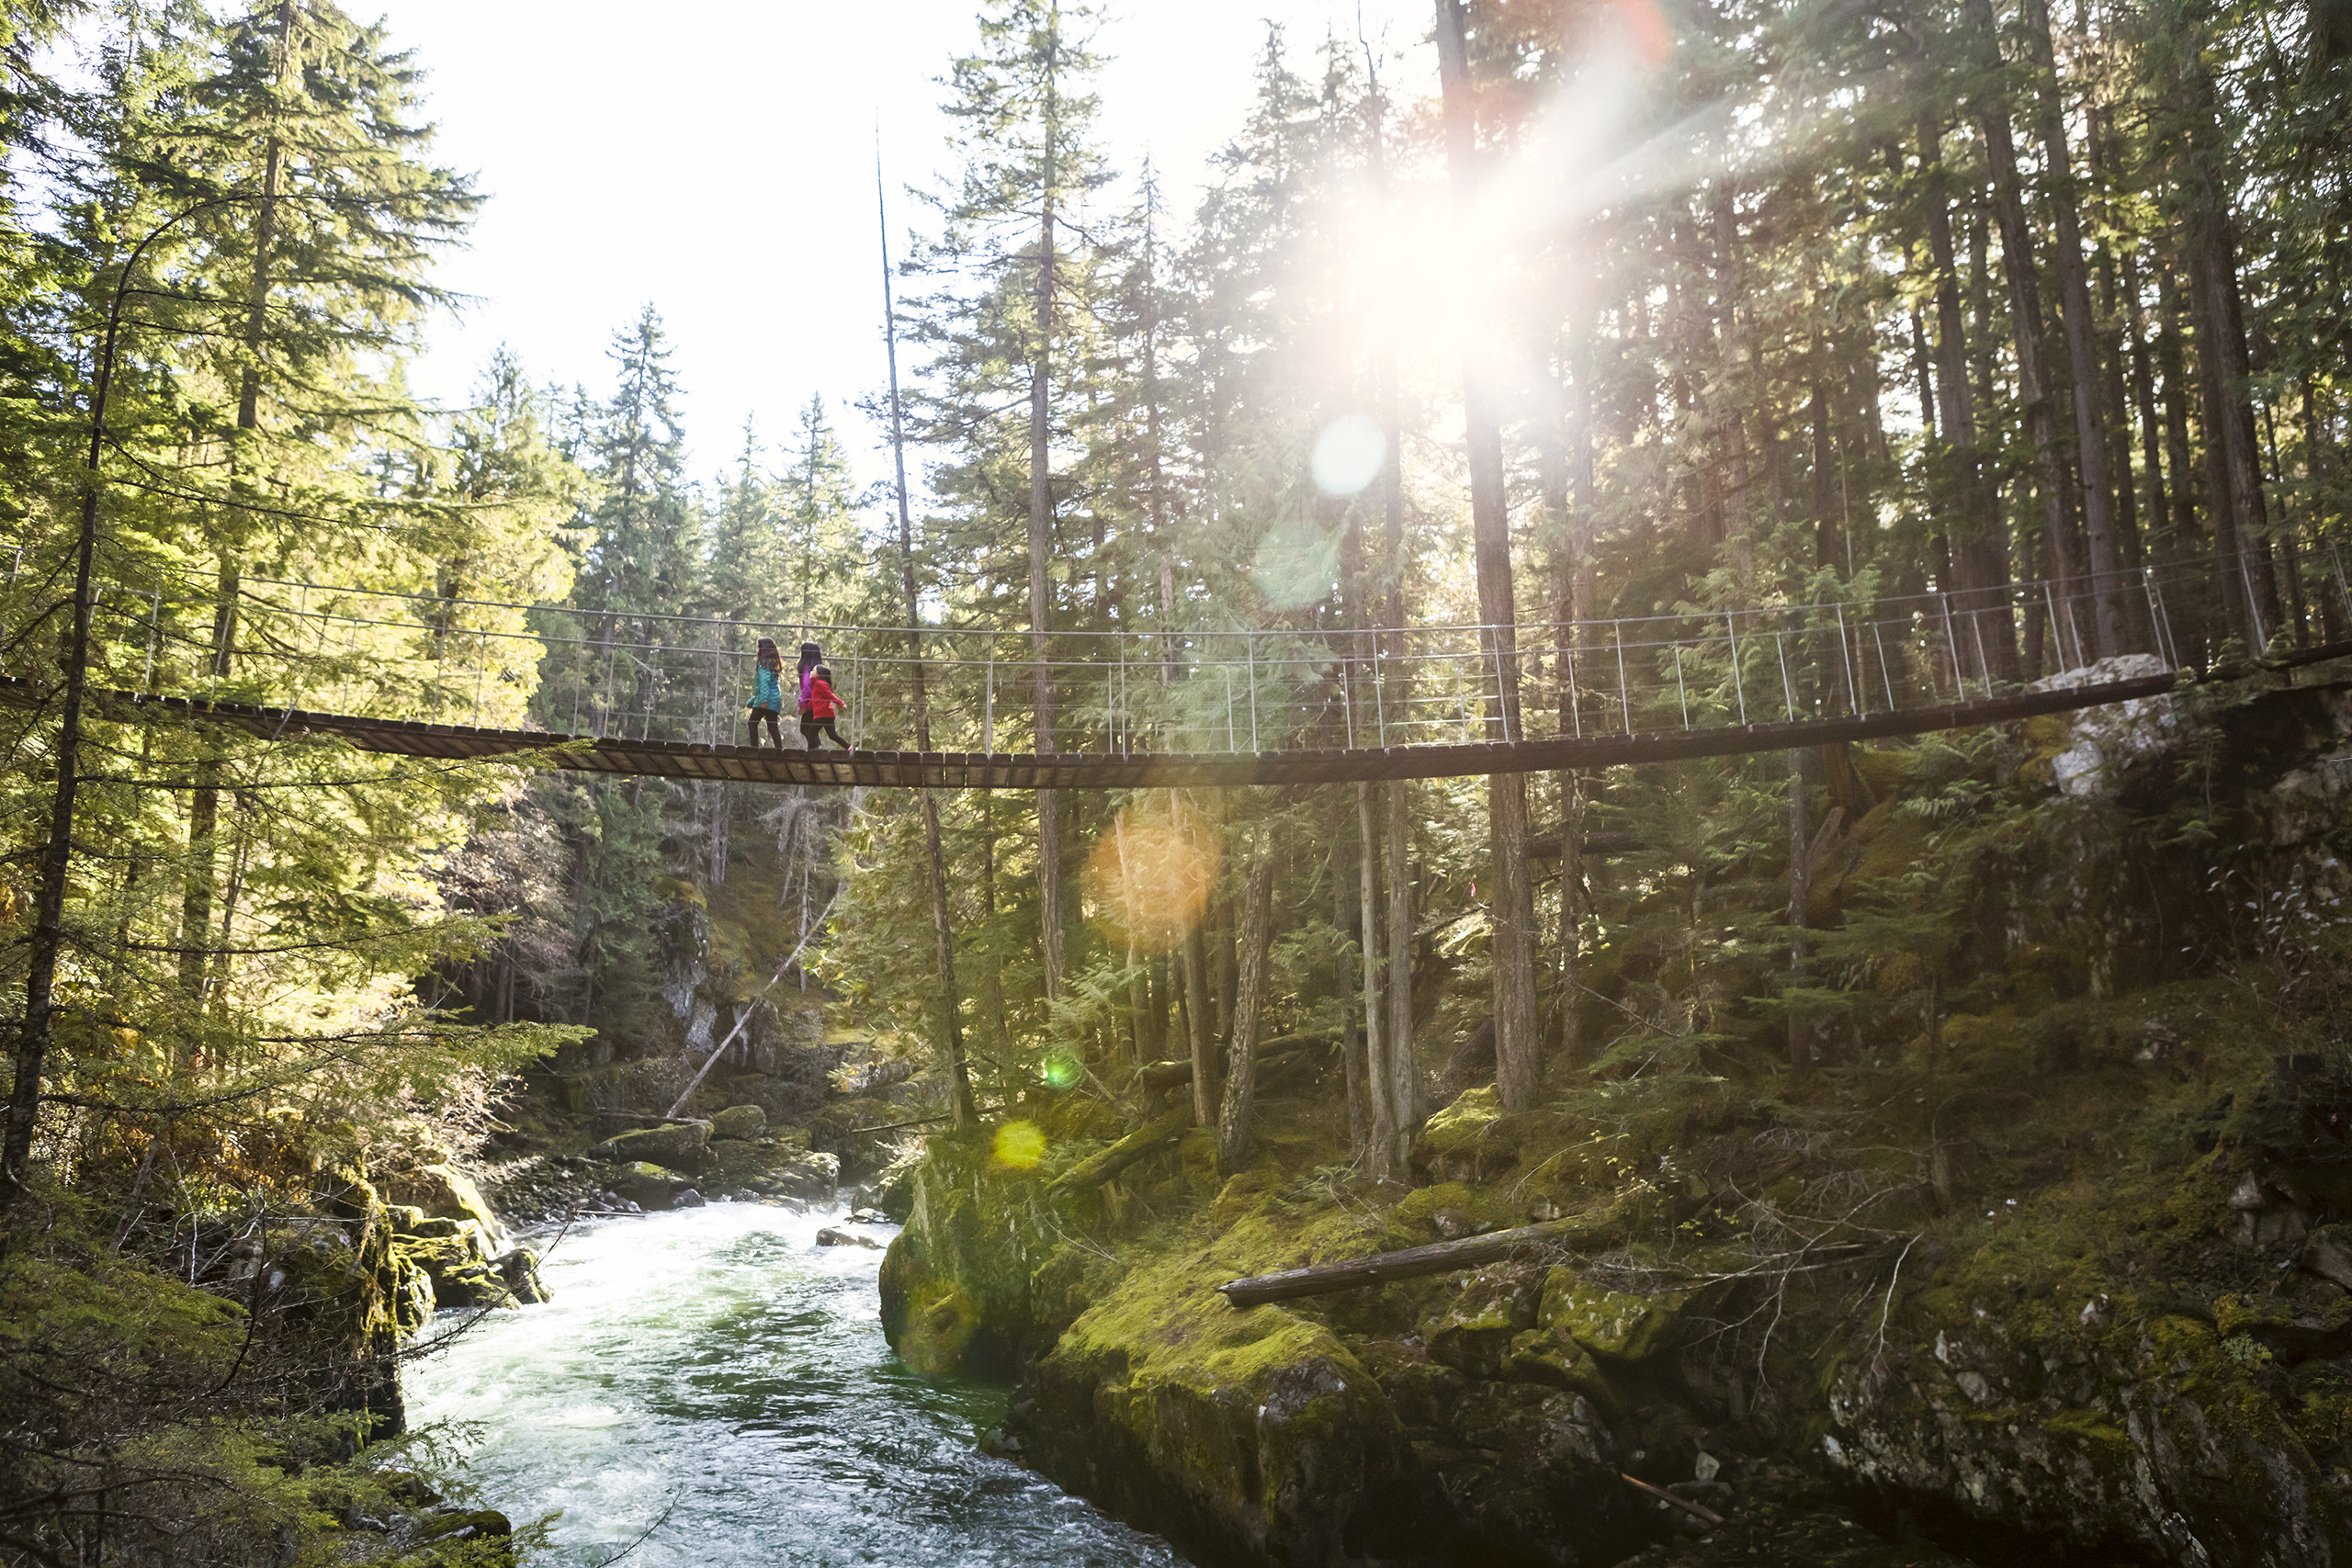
(2051, 1268)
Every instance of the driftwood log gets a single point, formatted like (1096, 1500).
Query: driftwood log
(1096, 1169)
(1412, 1262)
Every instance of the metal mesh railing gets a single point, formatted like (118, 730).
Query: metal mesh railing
(380, 652)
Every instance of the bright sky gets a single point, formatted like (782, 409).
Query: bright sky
(716, 158)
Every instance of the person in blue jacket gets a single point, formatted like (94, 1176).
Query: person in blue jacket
(767, 693)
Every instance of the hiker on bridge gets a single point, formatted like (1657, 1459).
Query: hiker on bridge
(817, 718)
(811, 657)
(767, 693)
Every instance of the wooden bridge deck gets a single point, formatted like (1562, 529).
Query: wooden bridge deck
(955, 770)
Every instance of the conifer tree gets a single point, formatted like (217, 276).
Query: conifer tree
(1011, 278)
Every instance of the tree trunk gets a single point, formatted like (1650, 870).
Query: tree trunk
(2034, 382)
(1799, 891)
(1234, 1142)
(1578, 503)
(1041, 546)
(1196, 1020)
(1348, 851)
(1979, 551)
(942, 931)
(1517, 1041)
(2143, 397)
(1379, 1140)
(1404, 1082)
(204, 802)
(2118, 627)
(2223, 366)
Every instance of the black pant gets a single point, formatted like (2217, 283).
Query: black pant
(813, 727)
(775, 731)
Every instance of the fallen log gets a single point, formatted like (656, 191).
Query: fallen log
(1161, 1076)
(1412, 1262)
(1096, 1169)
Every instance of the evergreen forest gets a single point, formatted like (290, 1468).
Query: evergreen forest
(1936, 1137)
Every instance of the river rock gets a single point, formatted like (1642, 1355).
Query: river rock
(443, 1192)
(682, 1146)
(411, 1294)
(462, 1268)
(739, 1122)
(830, 1236)
(519, 1271)
(689, 1199)
(799, 1175)
(649, 1184)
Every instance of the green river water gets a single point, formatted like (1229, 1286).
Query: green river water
(718, 1363)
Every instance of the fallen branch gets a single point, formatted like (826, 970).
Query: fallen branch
(1096, 1169)
(1412, 1262)
(895, 1126)
(1705, 1516)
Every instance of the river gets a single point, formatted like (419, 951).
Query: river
(718, 1363)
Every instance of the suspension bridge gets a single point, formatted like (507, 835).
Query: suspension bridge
(448, 676)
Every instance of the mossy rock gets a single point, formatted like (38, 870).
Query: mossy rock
(460, 1269)
(444, 1192)
(648, 1184)
(411, 1295)
(1236, 1430)
(975, 1234)
(1459, 1144)
(684, 1145)
(739, 1122)
(1549, 1357)
(519, 1271)
(796, 1173)
(892, 1189)
(1484, 1209)
(1475, 1330)
(1614, 1326)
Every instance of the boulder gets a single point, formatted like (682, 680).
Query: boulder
(519, 1271)
(798, 1175)
(830, 1237)
(2327, 1252)
(1473, 1330)
(1614, 1326)
(649, 1184)
(443, 1192)
(689, 1199)
(681, 1145)
(459, 1266)
(411, 1293)
(739, 1122)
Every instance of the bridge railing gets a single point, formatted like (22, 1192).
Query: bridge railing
(381, 652)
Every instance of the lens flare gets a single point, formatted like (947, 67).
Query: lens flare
(1019, 1145)
(1060, 1070)
(1147, 881)
(1297, 564)
(1348, 454)
(1645, 28)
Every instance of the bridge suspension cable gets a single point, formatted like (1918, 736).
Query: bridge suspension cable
(664, 692)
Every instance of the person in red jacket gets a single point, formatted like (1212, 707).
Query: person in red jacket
(823, 704)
